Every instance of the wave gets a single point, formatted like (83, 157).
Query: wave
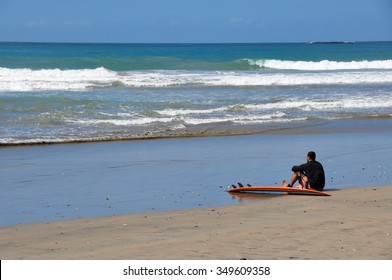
(54, 79)
(184, 122)
(123, 123)
(26, 80)
(246, 114)
(277, 107)
(320, 65)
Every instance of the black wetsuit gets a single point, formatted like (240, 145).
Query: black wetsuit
(315, 173)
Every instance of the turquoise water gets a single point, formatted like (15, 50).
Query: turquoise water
(126, 57)
(90, 92)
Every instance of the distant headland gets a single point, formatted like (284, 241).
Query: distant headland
(332, 42)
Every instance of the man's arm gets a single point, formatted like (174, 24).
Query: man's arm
(299, 168)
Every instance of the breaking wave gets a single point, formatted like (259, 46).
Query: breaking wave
(26, 80)
(320, 65)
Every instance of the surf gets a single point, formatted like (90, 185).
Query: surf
(323, 65)
(29, 80)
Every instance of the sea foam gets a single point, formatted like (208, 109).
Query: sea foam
(26, 80)
(54, 79)
(321, 65)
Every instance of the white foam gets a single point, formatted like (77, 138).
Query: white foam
(239, 79)
(54, 79)
(285, 110)
(242, 119)
(26, 80)
(122, 122)
(181, 112)
(321, 65)
(312, 105)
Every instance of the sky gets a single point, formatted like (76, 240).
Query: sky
(195, 21)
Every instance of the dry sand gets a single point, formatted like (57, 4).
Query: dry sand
(351, 224)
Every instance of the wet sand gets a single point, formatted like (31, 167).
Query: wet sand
(351, 224)
(71, 181)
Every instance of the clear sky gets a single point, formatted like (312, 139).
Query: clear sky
(195, 21)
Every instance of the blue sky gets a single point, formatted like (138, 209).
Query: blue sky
(199, 21)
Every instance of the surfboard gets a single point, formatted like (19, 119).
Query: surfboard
(275, 189)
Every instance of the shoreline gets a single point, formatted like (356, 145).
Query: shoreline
(351, 224)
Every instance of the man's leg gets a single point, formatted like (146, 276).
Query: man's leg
(294, 178)
(304, 181)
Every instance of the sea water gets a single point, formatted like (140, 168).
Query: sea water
(55, 93)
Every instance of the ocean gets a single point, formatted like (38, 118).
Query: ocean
(61, 93)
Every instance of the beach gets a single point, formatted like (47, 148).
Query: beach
(167, 199)
(351, 224)
(70, 181)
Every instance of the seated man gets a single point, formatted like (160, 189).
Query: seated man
(310, 175)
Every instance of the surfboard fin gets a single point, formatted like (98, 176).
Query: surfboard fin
(233, 186)
(241, 185)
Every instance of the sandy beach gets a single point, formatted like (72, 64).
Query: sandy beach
(351, 224)
(166, 199)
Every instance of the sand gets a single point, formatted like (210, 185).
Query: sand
(353, 223)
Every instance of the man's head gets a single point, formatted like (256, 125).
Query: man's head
(311, 156)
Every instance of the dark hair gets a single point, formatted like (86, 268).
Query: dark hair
(312, 155)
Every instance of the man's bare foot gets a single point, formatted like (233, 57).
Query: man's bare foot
(284, 184)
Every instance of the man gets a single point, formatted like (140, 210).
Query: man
(310, 175)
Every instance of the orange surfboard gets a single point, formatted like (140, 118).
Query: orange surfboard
(274, 189)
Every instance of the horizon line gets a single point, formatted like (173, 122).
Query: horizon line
(191, 43)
